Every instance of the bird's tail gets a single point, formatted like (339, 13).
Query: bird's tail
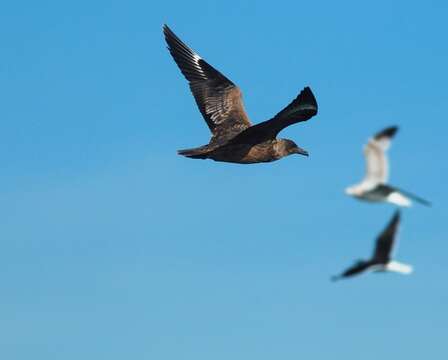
(415, 197)
(195, 153)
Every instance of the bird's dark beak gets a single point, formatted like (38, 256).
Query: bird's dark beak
(300, 151)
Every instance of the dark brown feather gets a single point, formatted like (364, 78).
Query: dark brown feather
(219, 100)
(302, 108)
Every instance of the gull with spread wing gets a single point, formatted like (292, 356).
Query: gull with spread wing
(374, 186)
(234, 138)
(381, 259)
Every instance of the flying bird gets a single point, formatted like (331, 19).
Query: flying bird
(374, 186)
(381, 259)
(234, 138)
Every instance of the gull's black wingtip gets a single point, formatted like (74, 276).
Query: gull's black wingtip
(416, 198)
(396, 218)
(423, 202)
(397, 214)
(388, 132)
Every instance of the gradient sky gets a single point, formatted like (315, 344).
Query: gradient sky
(113, 247)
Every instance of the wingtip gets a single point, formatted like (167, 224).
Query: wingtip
(416, 198)
(396, 218)
(307, 97)
(388, 132)
(424, 202)
(307, 88)
(168, 32)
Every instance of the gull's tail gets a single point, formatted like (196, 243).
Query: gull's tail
(402, 197)
(415, 197)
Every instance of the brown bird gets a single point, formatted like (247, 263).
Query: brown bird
(234, 138)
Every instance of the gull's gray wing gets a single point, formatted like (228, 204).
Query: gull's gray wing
(377, 164)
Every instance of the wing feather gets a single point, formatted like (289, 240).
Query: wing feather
(377, 163)
(387, 240)
(219, 100)
(302, 108)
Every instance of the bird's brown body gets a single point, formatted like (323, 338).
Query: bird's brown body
(266, 151)
(234, 138)
(246, 154)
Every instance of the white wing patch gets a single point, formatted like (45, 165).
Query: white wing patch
(399, 199)
(196, 58)
(217, 108)
(198, 67)
(398, 267)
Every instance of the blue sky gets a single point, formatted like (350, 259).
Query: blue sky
(112, 246)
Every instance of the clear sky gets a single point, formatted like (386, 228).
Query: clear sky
(113, 247)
